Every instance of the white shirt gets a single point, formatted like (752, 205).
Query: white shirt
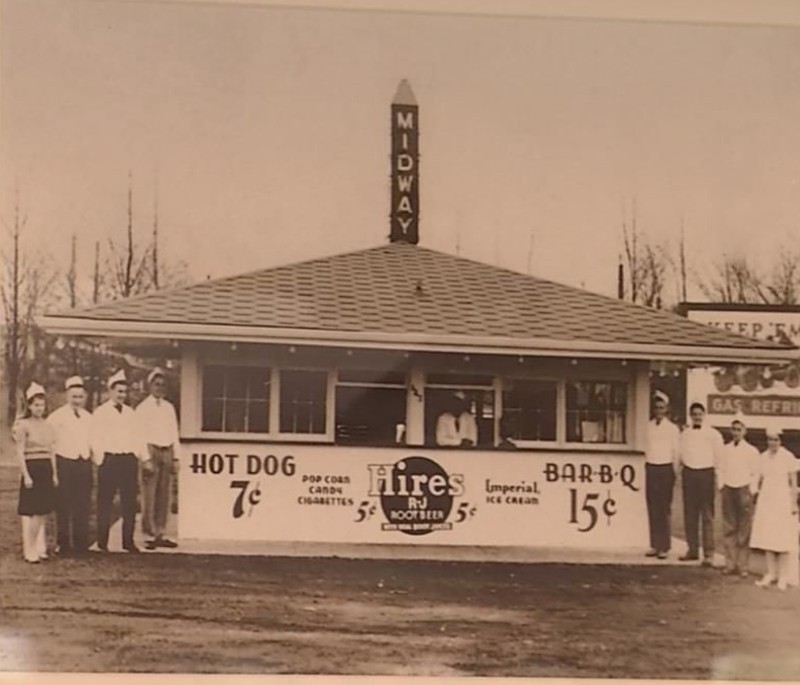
(116, 432)
(662, 442)
(739, 466)
(448, 434)
(73, 433)
(158, 422)
(700, 447)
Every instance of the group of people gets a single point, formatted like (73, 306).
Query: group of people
(56, 453)
(758, 493)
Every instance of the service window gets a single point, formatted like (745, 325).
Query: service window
(529, 410)
(450, 401)
(597, 411)
(303, 401)
(236, 399)
(370, 407)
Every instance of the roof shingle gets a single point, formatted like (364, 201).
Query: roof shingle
(410, 289)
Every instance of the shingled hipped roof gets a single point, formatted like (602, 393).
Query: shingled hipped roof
(409, 295)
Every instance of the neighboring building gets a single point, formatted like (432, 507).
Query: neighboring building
(767, 395)
(310, 395)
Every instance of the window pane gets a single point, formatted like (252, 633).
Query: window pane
(258, 417)
(235, 411)
(237, 381)
(258, 384)
(529, 410)
(303, 401)
(596, 411)
(369, 416)
(236, 399)
(212, 415)
(214, 381)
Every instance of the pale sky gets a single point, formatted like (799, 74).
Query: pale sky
(267, 132)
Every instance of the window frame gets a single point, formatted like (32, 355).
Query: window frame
(404, 388)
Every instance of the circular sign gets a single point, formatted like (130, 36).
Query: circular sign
(420, 500)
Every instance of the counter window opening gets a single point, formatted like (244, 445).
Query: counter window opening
(373, 408)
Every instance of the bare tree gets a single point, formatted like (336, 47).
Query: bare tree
(27, 283)
(784, 281)
(128, 264)
(733, 280)
(647, 265)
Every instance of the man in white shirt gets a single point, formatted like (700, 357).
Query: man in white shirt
(737, 477)
(457, 427)
(661, 462)
(117, 447)
(72, 424)
(700, 448)
(159, 425)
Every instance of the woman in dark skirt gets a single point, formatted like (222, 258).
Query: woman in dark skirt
(37, 490)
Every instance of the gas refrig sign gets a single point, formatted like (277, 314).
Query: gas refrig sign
(768, 395)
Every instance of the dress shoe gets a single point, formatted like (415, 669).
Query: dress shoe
(689, 557)
(651, 553)
(150, 545)
(131, 549)
(166, 543)
(662, 555)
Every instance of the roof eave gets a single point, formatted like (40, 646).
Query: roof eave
(416, 341)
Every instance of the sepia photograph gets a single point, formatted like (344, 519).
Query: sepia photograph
(394, 339)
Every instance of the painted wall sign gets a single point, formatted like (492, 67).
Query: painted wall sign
(238, 491)
(405, 166)
(770, 395)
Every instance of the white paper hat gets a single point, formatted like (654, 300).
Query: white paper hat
(739, 418)
(118, 377)
(660, 395)
(155, 373)
(33, 390)
(73, 382)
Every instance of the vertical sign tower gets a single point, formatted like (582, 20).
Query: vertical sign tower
(405, 166)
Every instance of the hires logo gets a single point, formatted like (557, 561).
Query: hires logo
(416, 494)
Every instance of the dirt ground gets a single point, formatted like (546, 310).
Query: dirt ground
(176, 613)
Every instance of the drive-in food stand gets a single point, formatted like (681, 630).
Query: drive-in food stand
(310, 394)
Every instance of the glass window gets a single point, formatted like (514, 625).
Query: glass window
(236, 399)
(370, 407)
(529, 410)
(597, 411)
(303, 404)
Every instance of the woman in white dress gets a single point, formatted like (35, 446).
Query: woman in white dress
(775, 524)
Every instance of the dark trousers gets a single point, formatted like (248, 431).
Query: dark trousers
(737, 521)
(698, 508)
(73, 504)
(659, 483)
(118, 473)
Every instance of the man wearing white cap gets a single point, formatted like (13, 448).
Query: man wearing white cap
(117, 447)
(661, 462)
(72, 423)
(457, 427)
(159, 427)
(737, 477)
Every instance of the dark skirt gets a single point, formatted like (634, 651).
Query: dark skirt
(41, 498)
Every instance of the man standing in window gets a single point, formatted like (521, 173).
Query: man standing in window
(456, 426)
(661, 461)
(73, 454)
(117, 448)
(738, 479)
(159, 428)
(700, 448)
